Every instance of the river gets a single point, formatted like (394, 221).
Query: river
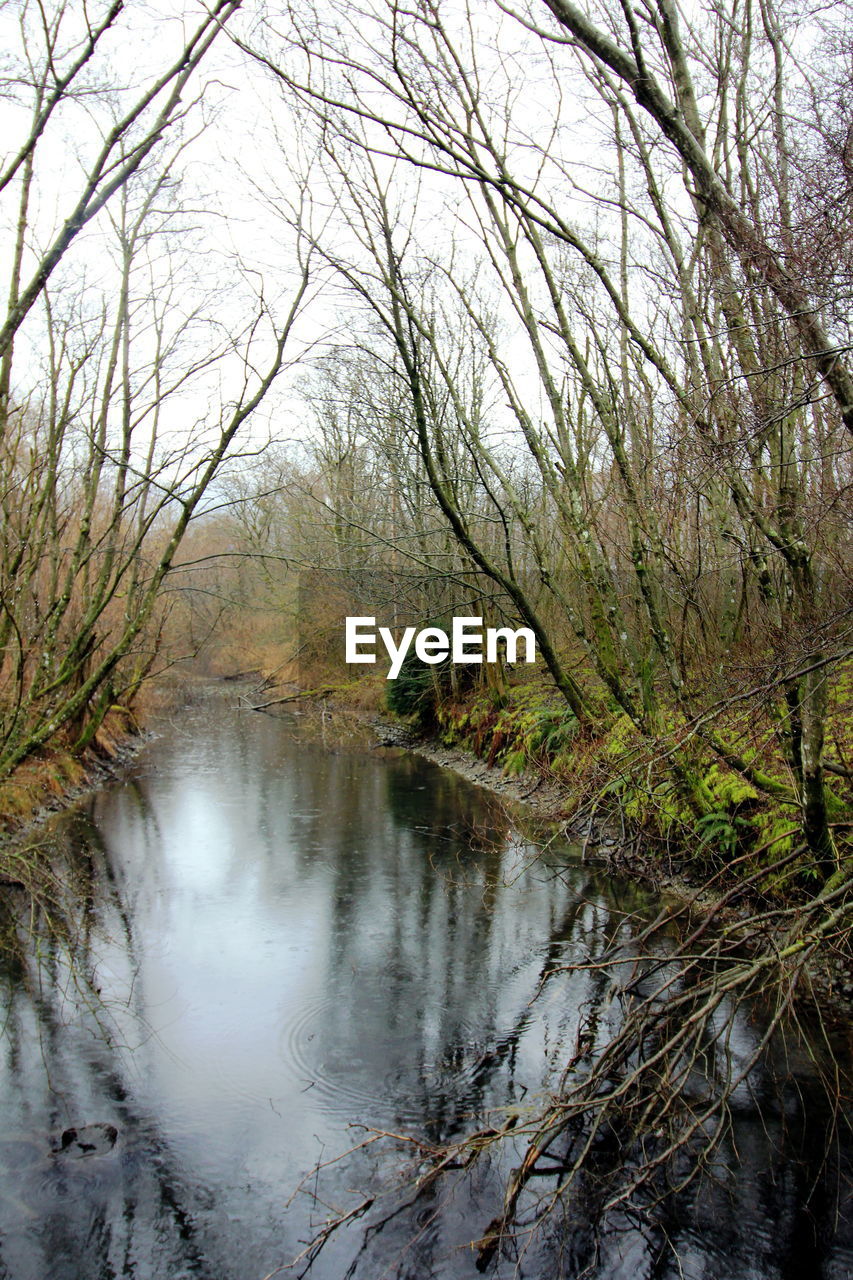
(283, 949)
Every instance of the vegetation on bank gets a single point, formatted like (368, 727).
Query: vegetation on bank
(687, 805)
(53, 776)
(46, 779)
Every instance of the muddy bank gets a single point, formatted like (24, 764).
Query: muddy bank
(56, 778)
(601, 837)
(543, 798)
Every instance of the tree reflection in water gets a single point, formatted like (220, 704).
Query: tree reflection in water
(253, 944)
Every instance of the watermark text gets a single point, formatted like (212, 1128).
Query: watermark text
(464, 644)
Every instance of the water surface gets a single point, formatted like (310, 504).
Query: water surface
(288, 949)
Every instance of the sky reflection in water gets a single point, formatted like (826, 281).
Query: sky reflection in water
(288, 942)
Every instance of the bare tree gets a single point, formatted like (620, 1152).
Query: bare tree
(134, 390)
(57, 49)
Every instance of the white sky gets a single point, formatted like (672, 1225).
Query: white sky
(237, 177)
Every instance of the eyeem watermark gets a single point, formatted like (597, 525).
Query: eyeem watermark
(464, 644)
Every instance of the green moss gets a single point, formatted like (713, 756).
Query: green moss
(773, 830)
(621, 734)
(837, 809)
(728, 790)
(564, 764)
(529, 724)
(515, 762)
(672, 812)
(709, 800)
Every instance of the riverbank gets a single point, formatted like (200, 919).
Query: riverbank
(601, 839)
(57, 777)
(671, 809)
(741, 864)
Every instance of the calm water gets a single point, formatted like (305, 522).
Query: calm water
(286, 949)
